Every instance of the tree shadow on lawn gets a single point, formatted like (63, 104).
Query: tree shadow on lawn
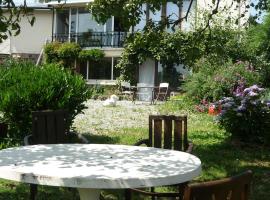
(220, 158)
(101, 139)
(20, 191)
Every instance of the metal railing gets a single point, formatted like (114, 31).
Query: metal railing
(94, 39)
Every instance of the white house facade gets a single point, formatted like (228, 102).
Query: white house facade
(71, 21)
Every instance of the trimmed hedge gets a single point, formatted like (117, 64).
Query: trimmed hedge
(25, 88)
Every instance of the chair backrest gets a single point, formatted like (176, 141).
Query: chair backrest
(164, 85)
(125, 84)
(234, 188)
(168, 132)
(49, 126)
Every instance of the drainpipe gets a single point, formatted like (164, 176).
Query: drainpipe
(53, 24)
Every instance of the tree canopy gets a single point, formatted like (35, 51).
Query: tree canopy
(129, 11)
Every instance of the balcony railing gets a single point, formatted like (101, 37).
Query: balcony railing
(94, 39)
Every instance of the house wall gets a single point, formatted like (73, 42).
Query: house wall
(227, 8)
(5, 47)
(32, 38)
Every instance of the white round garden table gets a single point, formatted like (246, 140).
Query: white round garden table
(91, 167)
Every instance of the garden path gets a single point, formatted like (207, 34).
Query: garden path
(98, 119)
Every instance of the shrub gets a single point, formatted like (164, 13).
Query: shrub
(68, 50)
(214, 81)
(25, 88)
(62, 53)
(92, 55)
(246, 116)
(51, 53)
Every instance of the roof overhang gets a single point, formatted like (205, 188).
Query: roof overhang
(69, 3)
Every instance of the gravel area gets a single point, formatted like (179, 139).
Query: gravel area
(99, 119)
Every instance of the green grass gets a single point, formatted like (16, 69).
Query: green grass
(220, 158)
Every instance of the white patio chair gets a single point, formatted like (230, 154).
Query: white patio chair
(163, 91)
(126, 89)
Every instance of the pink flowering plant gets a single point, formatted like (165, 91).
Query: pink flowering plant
(245, 115)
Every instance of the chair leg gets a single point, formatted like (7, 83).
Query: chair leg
(33, 191)
(127, 194)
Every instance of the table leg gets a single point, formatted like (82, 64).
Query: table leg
(89, 194)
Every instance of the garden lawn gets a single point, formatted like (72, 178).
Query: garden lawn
(220, 158)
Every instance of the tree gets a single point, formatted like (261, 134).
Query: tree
(130, 12)
(10, 16)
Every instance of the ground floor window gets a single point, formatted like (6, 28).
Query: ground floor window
(103, 70)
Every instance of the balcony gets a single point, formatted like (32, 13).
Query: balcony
(94, 39)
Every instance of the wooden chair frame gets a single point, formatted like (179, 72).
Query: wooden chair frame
(233, 188)
(168, 132)
(48, 127)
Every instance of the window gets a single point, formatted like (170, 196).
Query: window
(116, 71)
(102, 70)
(87, 23)
(62, 21)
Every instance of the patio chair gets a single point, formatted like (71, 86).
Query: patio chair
(168, 132)
(233, 188)
(126, 90)
(163, 92)
(48, 127)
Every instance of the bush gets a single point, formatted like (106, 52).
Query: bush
(246, 116)
(68, 50)
(92, 55)
(214, 81)
(25, 88)
(62, 53)
(51, 53)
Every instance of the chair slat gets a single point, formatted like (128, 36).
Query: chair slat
(185, 134)
(40, 129)
(150, 130)
(178, 135)
(168, 132)
(157, 133)
(233, 188)
(60, 128)
(52, 139)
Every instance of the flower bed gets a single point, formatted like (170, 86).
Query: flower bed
(246, 116)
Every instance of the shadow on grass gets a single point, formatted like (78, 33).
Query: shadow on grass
(221, 158)
(101, 139)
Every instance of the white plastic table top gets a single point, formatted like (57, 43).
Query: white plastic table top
(97, 166)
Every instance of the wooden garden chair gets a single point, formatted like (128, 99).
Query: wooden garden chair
(48, 127)
(168, 132)
(233, 188)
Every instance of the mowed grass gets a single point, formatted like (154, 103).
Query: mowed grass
(219, 155)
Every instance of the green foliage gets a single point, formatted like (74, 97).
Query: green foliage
(62, 53)
(214, 81)
(91, 55)
(68, 50)
(10, 18)
(25, 88)
(51, 52)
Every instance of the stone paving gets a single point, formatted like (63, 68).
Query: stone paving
(98, 118)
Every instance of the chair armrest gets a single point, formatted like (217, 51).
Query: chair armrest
(26, 140)
(141, 142)
(79, 136)
(190, 147)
